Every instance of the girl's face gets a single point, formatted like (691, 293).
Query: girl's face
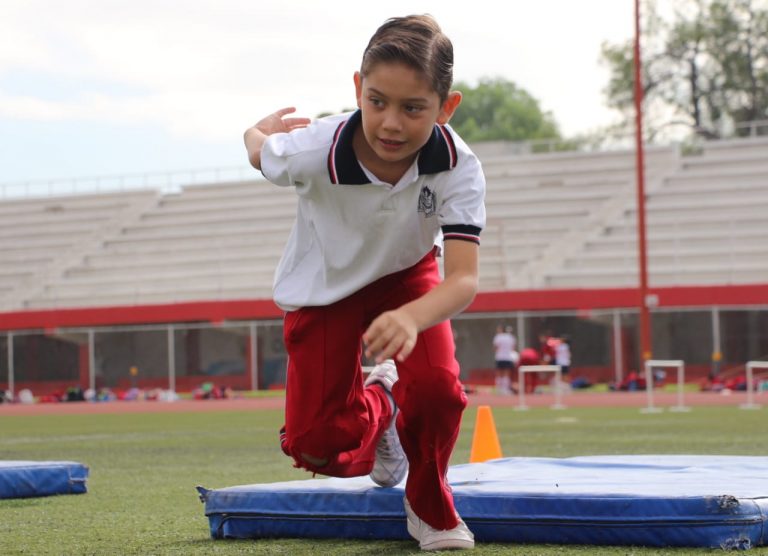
(399, 110)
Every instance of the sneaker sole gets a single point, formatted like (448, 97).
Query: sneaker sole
(446, 544)
(413, 528)
(442, 544)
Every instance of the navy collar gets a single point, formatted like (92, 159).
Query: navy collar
(437, 155)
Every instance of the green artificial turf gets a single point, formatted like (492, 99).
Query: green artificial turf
(144, 468)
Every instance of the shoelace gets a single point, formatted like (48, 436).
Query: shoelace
(388, 448)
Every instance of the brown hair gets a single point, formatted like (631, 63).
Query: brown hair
(418, 42)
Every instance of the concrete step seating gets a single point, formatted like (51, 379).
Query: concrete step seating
(747, 189)
(523, 204)
(246, 212)
(703, 274)
(149, 267)
(96, 298)
(232, 273)
(706, 224)
(671, 257)
(525, 216)
(224, 239)
(745, 149)
(178, 243)
(136, 237)
(201, 195)
(9, 278)
(75, 202)
(169, 281)
(254, 207)
(722, 161)
(690, 237)
(572, 163)
(63, 216)
(50, 243)
(186, 254)
(34, 232)
(710, 236)
(702, 208)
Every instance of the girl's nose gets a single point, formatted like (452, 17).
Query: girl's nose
(391, 120)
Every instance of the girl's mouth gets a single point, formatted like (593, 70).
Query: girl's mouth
(391, 144)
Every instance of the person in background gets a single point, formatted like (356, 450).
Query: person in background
(506, 356)
(529, 356)
(547, 345)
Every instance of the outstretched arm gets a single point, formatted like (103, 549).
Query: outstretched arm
(393, 333)
(255, 136)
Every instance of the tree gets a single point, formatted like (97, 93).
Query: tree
(497, 109)
(706, 71)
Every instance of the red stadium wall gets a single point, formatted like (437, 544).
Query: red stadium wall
(485, 302)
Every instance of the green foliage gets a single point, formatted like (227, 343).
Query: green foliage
(497, 109)
(706, 70)
(144, 468)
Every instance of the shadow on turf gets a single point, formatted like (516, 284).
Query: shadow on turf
(21, 502)
(309, 546)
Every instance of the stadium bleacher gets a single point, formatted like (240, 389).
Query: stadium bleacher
(42, 238)
(705, 220)
(555, 220)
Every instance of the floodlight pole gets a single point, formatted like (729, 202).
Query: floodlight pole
(645, 319)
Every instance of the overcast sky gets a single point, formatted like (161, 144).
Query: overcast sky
(112, 87)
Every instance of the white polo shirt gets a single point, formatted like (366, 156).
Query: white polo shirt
(351, 228)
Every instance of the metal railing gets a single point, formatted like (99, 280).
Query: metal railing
(168, 181)
(756, 128)
(172, 180)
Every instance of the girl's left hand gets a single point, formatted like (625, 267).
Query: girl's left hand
(391, 334)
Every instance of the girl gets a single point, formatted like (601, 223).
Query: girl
(377, 189)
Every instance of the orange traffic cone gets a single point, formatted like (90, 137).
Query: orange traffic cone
(485, 442)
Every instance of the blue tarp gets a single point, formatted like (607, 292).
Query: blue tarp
(25, 479)
(699, 501)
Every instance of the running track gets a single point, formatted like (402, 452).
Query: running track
(580, 399)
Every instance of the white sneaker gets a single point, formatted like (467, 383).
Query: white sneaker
(391, 465)
(429, 538)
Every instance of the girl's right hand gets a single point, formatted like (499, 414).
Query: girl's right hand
(256, 135)
(276, 123)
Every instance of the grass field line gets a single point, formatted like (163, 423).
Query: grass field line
(637, 399)
(113, 437)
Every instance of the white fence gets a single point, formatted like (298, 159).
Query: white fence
(652, 364)
(557, 383)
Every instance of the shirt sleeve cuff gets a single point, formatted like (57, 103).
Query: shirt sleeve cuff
(463, 232)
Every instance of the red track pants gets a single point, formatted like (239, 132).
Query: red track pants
(329, 415)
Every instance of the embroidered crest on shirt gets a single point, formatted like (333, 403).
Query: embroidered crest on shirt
(427, 202)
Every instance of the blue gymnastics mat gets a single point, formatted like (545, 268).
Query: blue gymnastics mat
(26, 479)
(659, 501)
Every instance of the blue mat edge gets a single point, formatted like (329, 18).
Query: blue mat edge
(699, 521)
(29, 479)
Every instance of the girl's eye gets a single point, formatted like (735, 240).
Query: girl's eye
(413, 109)
(375, 101)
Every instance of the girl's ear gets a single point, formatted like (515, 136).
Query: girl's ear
(358, 88)
(448, 107)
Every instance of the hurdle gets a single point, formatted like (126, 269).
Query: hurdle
(539, 369)
(751, 384)
(664, 364)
